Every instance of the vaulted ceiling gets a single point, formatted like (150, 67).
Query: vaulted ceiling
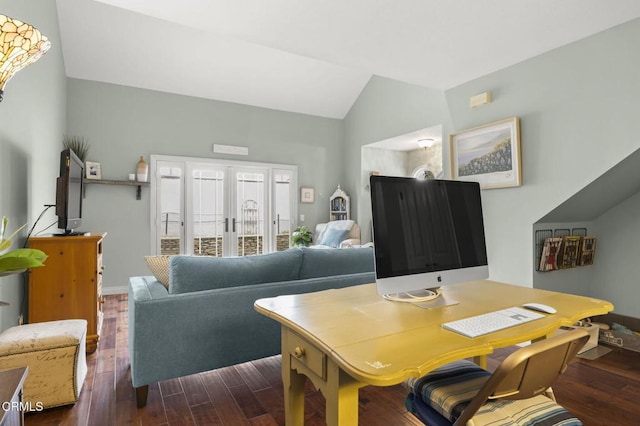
(314, 56)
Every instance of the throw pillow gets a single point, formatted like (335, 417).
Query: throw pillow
(159, 266)
(333, 237)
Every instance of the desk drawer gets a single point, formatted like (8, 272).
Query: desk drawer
(306, 354)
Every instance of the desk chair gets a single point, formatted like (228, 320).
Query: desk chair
(517, 393)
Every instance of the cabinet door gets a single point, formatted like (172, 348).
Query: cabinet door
(66, 286)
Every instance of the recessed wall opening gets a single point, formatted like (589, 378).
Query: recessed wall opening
(417, 153)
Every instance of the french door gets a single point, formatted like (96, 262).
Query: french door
(214, 208)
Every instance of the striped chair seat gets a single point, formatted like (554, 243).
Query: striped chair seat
(439, 398)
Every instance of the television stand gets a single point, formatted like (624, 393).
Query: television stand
(70, 285)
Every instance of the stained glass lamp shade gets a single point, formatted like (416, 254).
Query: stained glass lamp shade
(20, 45)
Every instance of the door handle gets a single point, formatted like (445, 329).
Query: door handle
(226, 224)
(233, 224)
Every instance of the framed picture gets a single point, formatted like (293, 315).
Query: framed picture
(306, 195)
(489, 154)
(92, 170)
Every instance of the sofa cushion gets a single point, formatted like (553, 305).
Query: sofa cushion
(196, 273)
(325, 262)
(446, 391)
(332, 237)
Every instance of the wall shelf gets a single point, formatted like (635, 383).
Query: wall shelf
(139, 185)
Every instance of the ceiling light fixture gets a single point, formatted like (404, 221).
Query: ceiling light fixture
(20, 45)
(425, 143)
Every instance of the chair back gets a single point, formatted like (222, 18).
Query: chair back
(529, 371)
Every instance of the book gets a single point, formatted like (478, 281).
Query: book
(587, 251)
(550, 251)
(570, 250)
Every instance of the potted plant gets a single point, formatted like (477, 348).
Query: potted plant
(78, 144)
(19, 259)
(301, 237)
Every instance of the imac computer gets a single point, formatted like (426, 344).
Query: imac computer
(426, 234)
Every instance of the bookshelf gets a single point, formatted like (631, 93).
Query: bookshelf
(339, 207)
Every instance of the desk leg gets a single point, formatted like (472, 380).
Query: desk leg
(339, 389)
(481, 360)
(293, 393)
(341, 395)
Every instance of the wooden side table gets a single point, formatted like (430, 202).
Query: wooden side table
(12, 405)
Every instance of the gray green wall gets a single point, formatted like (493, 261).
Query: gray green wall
(578, 119)
(123, 123)
(616, 272)
(578, 111)
(385, 109)
(32, 122)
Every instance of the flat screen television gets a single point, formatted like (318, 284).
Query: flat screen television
(426, 234)
(69, 190)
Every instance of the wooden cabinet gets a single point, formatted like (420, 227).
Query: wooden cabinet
(69, 286)
(339, 205)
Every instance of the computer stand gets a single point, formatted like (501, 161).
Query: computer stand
(426, 298)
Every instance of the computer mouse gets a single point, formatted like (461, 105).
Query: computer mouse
(540, 308)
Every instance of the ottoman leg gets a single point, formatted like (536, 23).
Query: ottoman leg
(141, 395)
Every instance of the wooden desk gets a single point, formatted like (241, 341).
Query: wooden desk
(348, 338)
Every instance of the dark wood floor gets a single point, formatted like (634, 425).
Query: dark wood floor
(603, 392)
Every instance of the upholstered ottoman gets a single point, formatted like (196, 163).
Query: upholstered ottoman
(54, 351)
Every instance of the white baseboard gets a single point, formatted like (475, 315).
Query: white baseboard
(107, 291)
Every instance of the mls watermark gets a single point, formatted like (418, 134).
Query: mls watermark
(22, 406)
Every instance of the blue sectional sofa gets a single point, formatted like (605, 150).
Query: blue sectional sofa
(204, 318)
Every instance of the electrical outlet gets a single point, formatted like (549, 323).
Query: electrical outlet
(301, 218)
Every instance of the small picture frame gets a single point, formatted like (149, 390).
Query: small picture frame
(92, 170)
(488, 154)
(307, 195)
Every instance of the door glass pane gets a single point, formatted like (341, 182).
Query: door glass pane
(282, 207)
(208, 220)
(213, 208)
(170, 218)
(250, 208)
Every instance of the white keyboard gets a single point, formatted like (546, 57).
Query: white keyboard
(492, 321)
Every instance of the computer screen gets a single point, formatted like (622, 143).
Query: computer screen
(426, 233)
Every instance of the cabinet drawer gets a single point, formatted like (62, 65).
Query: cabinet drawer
(307, 354)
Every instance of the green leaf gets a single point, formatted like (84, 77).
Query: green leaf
(15, 232)
(21, 259)
(301, 236)
(3, 227)
(26, 252)
(4, 244)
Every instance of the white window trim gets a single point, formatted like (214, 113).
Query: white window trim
(272, 167)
